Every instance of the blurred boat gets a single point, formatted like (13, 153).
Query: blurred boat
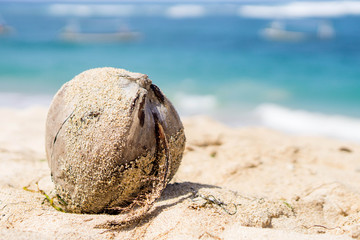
(71, 33)
(325, 30)
(4, 28)
(277, 32)
(99, 37)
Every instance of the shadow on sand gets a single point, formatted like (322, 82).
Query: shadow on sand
(180, 191)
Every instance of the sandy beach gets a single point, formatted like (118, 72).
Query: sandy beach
(244, 183)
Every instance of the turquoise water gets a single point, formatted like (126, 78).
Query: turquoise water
(215, 63)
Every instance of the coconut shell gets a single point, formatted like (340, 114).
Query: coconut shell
(112, 137)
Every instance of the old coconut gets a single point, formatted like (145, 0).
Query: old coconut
(113, 141)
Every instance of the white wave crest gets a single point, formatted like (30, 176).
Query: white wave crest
(195, 104)
(185, 11)
(303, 122)
(301, 9)
(86, 10)
(20, 100)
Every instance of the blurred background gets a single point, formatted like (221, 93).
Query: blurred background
(289, 65)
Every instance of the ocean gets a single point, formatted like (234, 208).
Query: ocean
(266, 63)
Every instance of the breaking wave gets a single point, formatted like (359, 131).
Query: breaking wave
(20, 100)
(87, 10)
(185, 11)
(195, 104)
(301, 10)
(308, 123)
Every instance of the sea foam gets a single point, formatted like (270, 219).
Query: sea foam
(21, 100)
(301, 10)
(185, 11)
(87, 10)
(195, 104)
(308, 123)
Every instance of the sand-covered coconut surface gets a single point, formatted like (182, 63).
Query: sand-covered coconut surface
(245, 183)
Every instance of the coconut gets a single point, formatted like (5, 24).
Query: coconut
(113, 141)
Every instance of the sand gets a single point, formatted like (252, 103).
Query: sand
(246, 183)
